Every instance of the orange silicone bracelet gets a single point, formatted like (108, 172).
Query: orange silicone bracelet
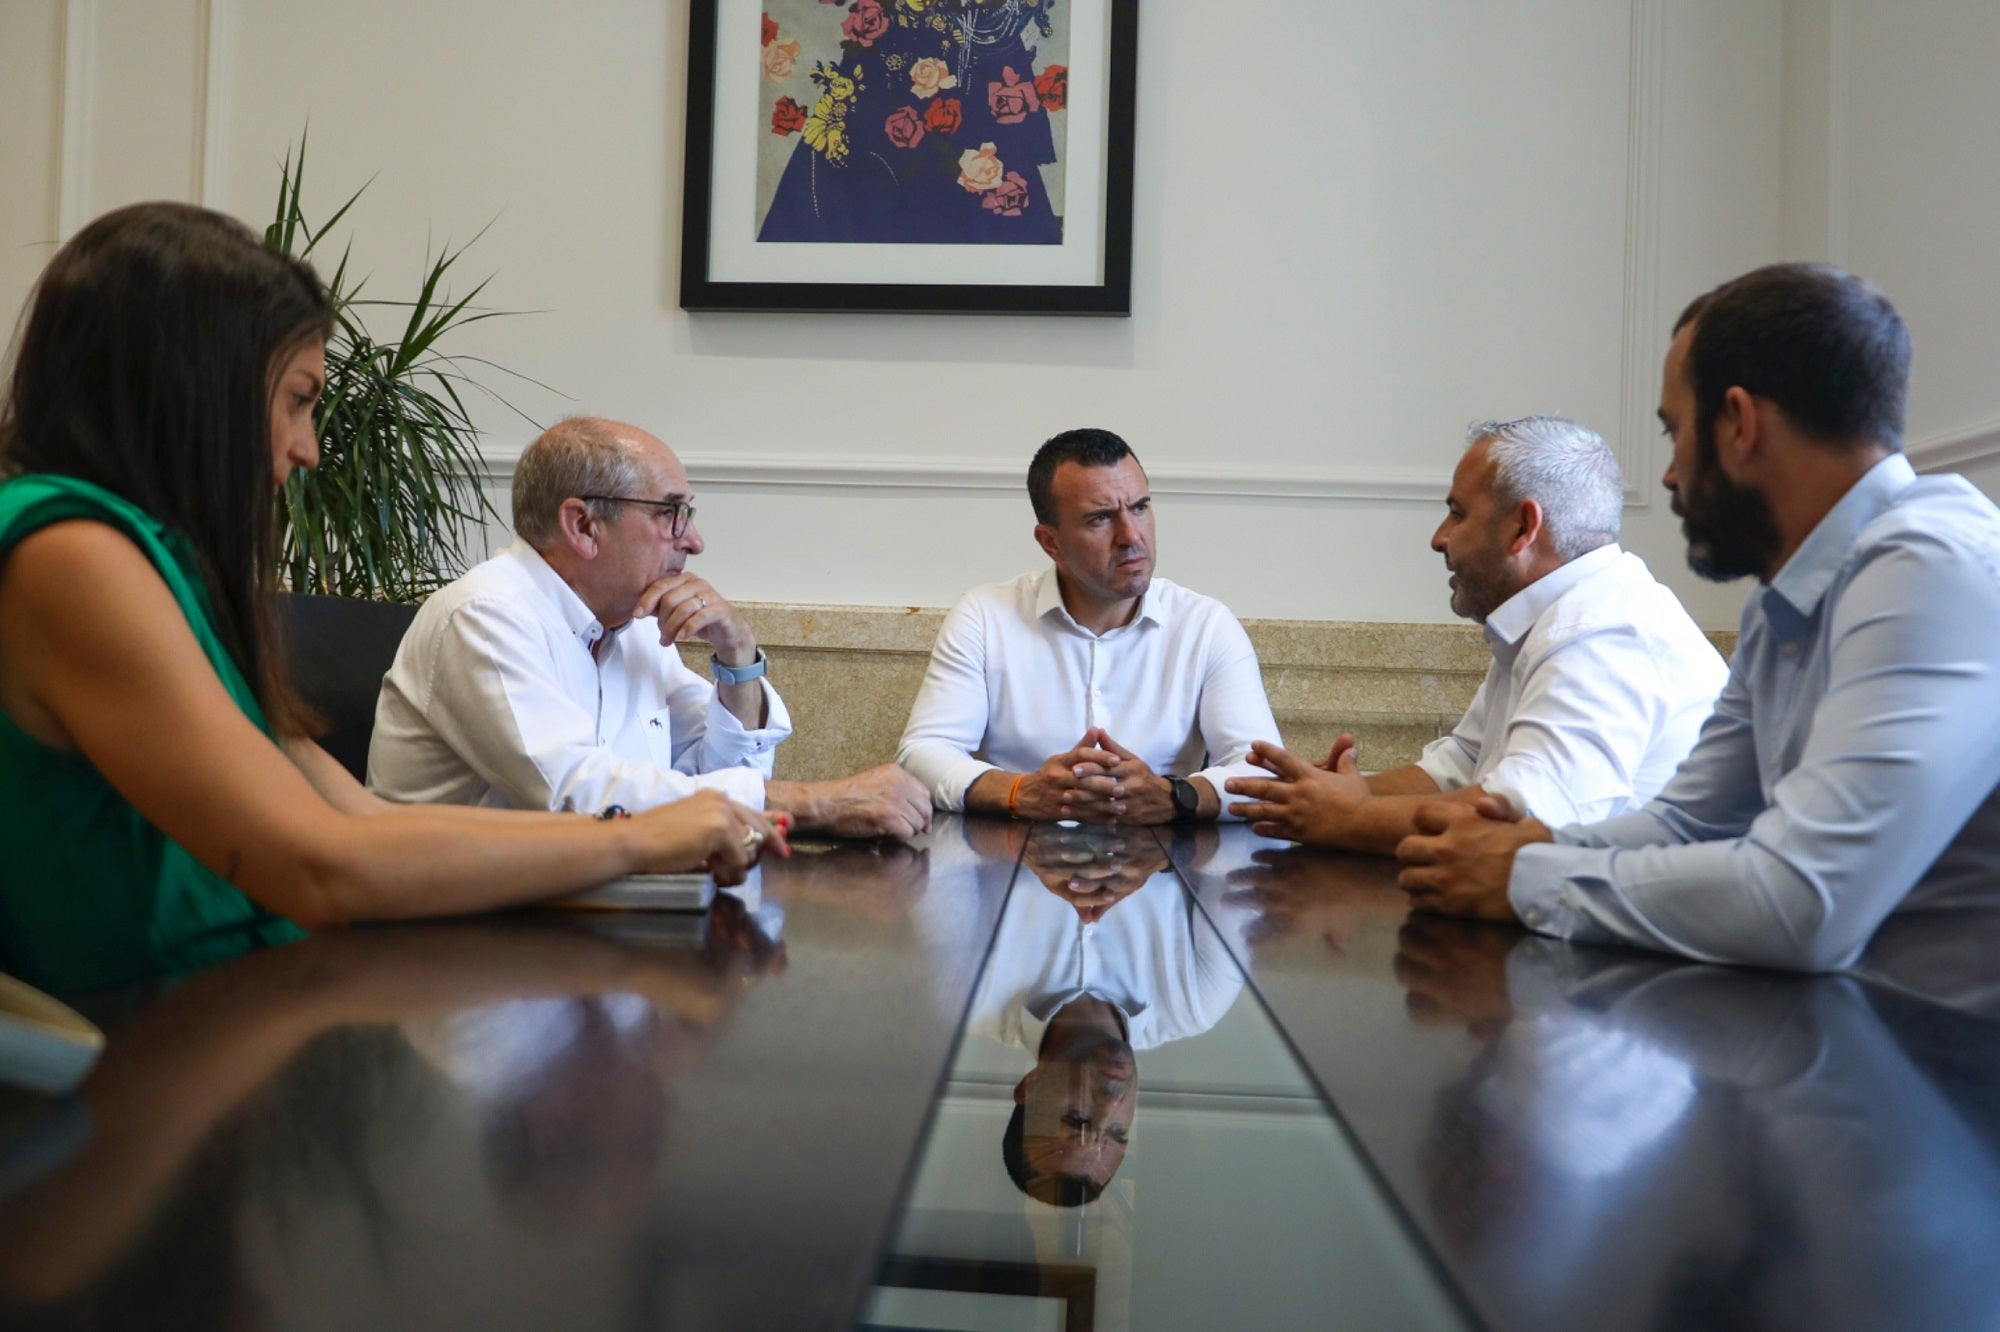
(1014, 795)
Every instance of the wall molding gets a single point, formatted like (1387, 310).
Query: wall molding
(1645, 121)
(902, 476)
(1639, 384)
(79, 88)
(1953, 450)
(1950, 450)
(1639, 377)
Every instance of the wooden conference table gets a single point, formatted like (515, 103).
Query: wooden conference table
(790, 1115)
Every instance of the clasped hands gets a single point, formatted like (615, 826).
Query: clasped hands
(1098, 781)
(1459, 861)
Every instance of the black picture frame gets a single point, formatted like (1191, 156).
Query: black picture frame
(1072, 1286)
(1111, 294)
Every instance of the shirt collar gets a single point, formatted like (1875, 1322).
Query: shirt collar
(1048, 598)
(1514, 617)
(1037, 1010)
(1807, 575)
(576, 616)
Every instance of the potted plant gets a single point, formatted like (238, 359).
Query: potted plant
(396, 503)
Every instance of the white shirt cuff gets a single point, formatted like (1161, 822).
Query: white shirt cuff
(956, 780)
(729, 743)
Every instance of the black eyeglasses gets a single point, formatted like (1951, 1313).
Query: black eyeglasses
(678, 513)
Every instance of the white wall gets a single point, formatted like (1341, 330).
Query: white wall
(1922, 190)
(1358, 226)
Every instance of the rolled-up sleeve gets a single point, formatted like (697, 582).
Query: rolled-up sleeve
(1452, 761)
(1583, 724)
(1234, 710)
(948, 721)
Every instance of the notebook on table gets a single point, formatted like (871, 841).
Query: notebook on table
(643, 892)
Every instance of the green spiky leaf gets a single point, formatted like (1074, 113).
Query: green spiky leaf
(396, 504)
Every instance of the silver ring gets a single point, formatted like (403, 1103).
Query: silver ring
(752, 839)
(701, 603)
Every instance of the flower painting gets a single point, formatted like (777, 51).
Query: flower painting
(912, 121)
(909, 155)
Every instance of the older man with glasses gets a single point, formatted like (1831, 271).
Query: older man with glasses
(525, 683)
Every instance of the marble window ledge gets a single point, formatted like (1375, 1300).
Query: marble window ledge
(849, 674)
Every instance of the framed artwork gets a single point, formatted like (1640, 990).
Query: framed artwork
(959, 156)
(993, 1294)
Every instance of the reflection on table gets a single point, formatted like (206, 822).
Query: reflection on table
(905, 1082)
(1601, 1138)
(1060, 1188)
(539, 1120)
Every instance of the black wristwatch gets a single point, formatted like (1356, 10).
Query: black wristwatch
(1187, 800)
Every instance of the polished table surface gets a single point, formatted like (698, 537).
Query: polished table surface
(1605, 1138)
(792, 1113)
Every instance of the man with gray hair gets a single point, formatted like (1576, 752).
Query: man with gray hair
(1599, 682)
(524, 684)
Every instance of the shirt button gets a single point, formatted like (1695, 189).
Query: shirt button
(1791, 649)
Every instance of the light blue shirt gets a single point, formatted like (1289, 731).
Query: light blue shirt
(1849, 769)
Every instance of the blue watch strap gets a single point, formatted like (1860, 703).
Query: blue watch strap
(738, 674)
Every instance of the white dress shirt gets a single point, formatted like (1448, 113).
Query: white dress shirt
(1013, 679)
(1598, 688)
(1153, 956)
(1851, 769)
(495, 699)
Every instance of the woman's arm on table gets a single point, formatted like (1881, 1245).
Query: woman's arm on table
(107, 664)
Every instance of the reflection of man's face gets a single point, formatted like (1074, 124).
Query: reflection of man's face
(1077, 1108)
(1730, 528)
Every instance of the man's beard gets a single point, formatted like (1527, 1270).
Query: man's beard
(1478, 594)
(1731, 529)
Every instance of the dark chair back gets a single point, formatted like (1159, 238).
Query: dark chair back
(341, 649)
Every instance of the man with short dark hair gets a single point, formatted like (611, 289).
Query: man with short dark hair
(1090, 690)
(525, 683)
(1850, 768)
(1599, 681)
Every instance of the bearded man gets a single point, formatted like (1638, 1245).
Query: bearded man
(1849, 770)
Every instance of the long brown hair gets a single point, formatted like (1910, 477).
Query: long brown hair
(146, 366)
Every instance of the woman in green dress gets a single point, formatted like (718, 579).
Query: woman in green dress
(161, 798)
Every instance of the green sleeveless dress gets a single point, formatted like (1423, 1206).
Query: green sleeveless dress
(91, 894)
